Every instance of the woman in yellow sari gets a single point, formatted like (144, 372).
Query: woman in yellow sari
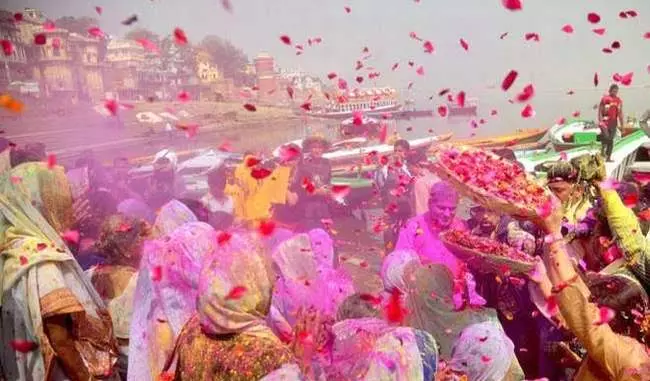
(54, 324)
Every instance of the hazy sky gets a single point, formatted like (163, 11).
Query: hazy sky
(557, 63)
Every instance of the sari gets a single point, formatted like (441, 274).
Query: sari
(229, 340)
(170, 217)
(165, 295)
(371, 349)
(308, 278)
(483, 352)
(41, 282)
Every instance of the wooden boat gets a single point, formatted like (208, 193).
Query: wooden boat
(520, 137)
(579, 132)
(368, 126)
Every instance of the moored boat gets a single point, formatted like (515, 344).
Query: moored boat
(520, 137)
(370, 102)
(579, 132)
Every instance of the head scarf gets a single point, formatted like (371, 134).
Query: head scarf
(370, 349)
(136, 209)
(392, 270)
(120, 239)
(235, 291)
(483, 352)
(429, 301)
(171, 216)
(322, 247)
(304, 282)
(167, 290)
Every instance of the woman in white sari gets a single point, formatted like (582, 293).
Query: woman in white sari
(54, 325)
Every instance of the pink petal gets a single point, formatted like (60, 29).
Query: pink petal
(593, 18)
(564, 156)
(70, 236)
(7, 47)
(460, 99)
(340, 191)
(532, 36)
(183, 96)
(51, 161)
(576, 114)
(226, 5)
(442, 111)
(98, 9)
(148, 45)
(56, 42)
(512, 5)
(647, 36)
(605, 315)
(509, 80)
(285, 39)
(96, 32)
(503, 35)
(609, 184)
(420, 70)
(331, 75)
(40, 39)
(343, 84)
(561, 121)
(464, 44)
(486, 359)
(526, 94)
(237, 292)
(180, 38)
(48, 25)
(493, 112)
(395, 66)
(428, 47)
(528, 112)
(568, 28)
(347, 9)
(599, 31)
(545, 209)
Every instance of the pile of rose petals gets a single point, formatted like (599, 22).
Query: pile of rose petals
(484, 245)
(482, 172)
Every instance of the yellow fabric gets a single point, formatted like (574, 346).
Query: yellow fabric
(625, 226)
(576, 210)
(609, 356)
(254, 198)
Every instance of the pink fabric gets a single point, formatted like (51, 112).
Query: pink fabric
(420, 236)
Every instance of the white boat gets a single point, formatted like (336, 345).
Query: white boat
(365, 121)
(351, 150)
(373, 101)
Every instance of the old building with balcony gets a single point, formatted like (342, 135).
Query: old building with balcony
(13, 67)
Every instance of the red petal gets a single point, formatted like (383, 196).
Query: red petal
(526, 94)
(576, 114)
(532, 36)
(51, 161)
(596, 79)
(98, 9)
(288, 153)
(528, 112)
(347, 9)
(428, 47)
(647, 35)
(631, 200)
(340, 191)
(632, 13)
(359, 79)
(250, 107)
(485, 359)
(48, 25)
(512, 5)
(493, 112)
(40, 39)
(394, 67)
(23, 260)
(23, 346)
(179, 36)
(252, 161)
(18, 16)
(383, 133)
(260, 173)
(372, 299)
(331, 75)
(290, 91)
(7, 47)
(605, 315)
(464, 44)
(509, 80)
(123, 228)
(156, 273)
(607, 51)
(56, 43)
(70, 236)
(236, 293)
(460, 99)
(306, 106)
(568, 28)
(616, 45)
(394, 311)
(266, 227)
(442, 110)
(443, 92)
(183, 96)
(285, 39)
(593, 18)
(41, 246)
(644, 215)
(599, 31)
(343, 84)
(420, 70)
(561, 121)
(96, 32)
(622, 15)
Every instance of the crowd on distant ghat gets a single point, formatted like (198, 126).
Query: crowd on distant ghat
(105, 277)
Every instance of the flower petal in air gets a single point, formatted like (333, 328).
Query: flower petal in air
(70, 236)
(460, 99)
(464, 44)
(428, 47)
(420, 70)
(266, 227)
(593, 18)
(605, 315)
(509, 80)
(250, 107)
(236, 293)
(527, 112)
(180, 37)
(527, 93)
(568, 28)
(40, 39)
(7, 47)
(285, 39)
(599, 31)
(51, 161)
(512, 5)
(23, 346)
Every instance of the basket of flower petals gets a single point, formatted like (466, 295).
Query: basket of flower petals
(487, 254)
(492, 181)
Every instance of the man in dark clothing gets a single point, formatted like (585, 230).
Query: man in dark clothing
(610, 117)
(314, 177)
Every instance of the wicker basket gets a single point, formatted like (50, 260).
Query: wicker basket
(488, 262)
(481, 196)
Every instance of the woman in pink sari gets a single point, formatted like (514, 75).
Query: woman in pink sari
(165, 296)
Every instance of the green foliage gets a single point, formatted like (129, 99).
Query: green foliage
(230, 60)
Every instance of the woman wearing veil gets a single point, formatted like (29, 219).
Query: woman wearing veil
(165, 296)
(171, 216)
(54, 325)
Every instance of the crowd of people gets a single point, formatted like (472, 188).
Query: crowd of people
(108, 277)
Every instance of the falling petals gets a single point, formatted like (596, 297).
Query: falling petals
(527, 112)
(156, 273)
(460, 99)
(443, 110)
(532, 36)
(49, 26)
(599, 31)
(593, 18)
(40, 39)
(394, 311)
(70, 236)
(290, 91)
(428, 47)
(527, 93)
(148, 45)
(18, 17)
(347, 9)
(509, 80)
(51, 161)
(568, 28)
(605, 315)
(130, 20)
(464, 44)
(503, 35)
(343, 84)
(56, 43)
(357, 118)
(493, 112)
(383, 133)
(179, 36)
(607, 51)
(250, 107)
(7, 47)
(616, 45)
(443, 92)
(420, 70)
(486, 359)
(512, 5)
(340, 191)
(96, 32)
(576, 114)
(260, 173)
(266, 227)
(23, 260)
(223, 238)
(41, 246)
(395, 66)
(23, 346)
(596, 79)
(237, 292)
(289, 153)
(99, 10)
(285, 39)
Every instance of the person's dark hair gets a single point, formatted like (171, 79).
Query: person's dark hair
(200, 211)
(357, 306)
(613, 87)
(102, 205)
(402, 143)
(217, 178)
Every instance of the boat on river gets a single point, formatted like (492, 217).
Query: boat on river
(580, 132)
(368, 102)
(520, 137)
(363, 127)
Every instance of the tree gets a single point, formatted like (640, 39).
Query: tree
(79, 25)
(138, 33)
(230, 60)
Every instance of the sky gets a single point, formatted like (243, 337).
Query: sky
(558, 63)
